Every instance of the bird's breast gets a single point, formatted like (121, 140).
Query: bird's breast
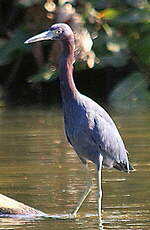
(78, 134)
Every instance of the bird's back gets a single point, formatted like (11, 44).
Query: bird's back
(92, 132)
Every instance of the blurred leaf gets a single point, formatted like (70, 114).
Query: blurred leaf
(141, 48)
(28, 3)
(138, 3)
(112, 50)
(132, 92)
(117, 59)
(99, 44)
(132, 16)
(46, 74)
(109, 13)
(12, 47)
(116, 42)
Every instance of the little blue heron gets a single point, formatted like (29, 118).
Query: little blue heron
(89, 128)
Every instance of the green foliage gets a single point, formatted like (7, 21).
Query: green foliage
(28, 3)
(127, 30)
(131, 93)
(122, 28)
(141, 48)
(134, 16)
(11, 49)
(45, 74)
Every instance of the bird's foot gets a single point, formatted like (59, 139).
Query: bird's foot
(72, 215)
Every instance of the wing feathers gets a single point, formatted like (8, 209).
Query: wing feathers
(111, 145)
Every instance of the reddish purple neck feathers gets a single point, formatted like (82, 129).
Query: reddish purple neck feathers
(68, 88)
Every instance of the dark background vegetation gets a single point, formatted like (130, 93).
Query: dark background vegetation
(112, 44)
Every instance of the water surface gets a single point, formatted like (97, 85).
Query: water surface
(39, 168)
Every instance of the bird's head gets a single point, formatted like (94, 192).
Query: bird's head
(59, 31)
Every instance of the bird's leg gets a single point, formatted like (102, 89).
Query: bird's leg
(99, 185)
(84, 195)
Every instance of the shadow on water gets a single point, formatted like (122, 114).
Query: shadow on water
(39, 168)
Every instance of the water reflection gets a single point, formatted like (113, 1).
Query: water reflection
(39, 168)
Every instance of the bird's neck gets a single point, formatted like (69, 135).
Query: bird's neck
(67, 85)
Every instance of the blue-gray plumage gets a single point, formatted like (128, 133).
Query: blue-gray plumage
(91, 132)
(89, 128)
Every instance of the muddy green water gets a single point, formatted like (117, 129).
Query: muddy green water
(39, 168)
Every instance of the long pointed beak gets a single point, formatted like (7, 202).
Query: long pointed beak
(47, 35)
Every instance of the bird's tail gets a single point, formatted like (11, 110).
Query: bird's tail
(123, 167)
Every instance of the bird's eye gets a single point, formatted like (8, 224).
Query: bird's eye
(58, 31)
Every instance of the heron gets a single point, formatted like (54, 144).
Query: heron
(88, 127)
